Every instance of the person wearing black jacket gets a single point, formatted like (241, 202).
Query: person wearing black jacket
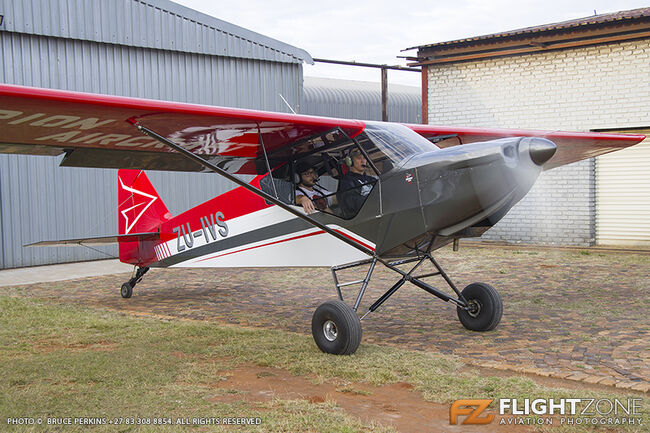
(355, 185)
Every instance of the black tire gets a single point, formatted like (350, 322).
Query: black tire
(336, 328)
(489, 308)
(126, 291)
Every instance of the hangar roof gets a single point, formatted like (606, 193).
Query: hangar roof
(157, 24)
(596, 29)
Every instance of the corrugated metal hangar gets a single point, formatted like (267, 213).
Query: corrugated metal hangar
(153, 49)
(360, 100)
(587, 74)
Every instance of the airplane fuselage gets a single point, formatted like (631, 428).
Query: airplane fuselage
(433, 197)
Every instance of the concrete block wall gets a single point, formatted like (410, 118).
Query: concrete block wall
(580, 89)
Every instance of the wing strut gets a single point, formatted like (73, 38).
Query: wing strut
(251, 188)
(266, 158)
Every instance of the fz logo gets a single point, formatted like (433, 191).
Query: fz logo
(473, 409)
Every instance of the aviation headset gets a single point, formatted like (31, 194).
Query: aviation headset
(348, 159)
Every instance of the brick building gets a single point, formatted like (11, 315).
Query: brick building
(588, 74)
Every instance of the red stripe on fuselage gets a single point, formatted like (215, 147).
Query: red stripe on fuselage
(264, 245)
(319, 232)
(355, 240)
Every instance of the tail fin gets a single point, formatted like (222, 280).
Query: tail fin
(139, 209)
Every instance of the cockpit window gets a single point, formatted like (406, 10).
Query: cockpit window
(334, 184)
(389, 145)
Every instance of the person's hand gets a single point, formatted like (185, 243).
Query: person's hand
(307, 205)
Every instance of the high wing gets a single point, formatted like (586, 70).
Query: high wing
(571, 146)
(98, 130)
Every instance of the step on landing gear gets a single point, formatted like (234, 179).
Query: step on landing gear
(127, 288)
(336, 328)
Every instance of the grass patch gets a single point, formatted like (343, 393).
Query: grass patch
(68, 361)
(63, 361)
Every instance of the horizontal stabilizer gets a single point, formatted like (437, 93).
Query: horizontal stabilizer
(99, 240)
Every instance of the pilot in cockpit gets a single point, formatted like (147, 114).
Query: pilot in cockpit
(356, 185)
(309, 194)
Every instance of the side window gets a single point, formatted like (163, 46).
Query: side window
(378, 156)
(283, 186)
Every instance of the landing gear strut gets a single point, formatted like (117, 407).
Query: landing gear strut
(127, 288)
(335, 331)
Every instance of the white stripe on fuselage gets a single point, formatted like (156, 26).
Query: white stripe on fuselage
(303, 248)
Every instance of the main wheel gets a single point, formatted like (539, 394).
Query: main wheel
(336, 328)
(126, 291)
(486, 307)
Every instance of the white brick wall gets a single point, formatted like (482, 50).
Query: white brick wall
(559, 209)
(605, 86)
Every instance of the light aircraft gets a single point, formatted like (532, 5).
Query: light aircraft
(424, 187)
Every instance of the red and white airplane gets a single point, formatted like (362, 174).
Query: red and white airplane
(390, 193)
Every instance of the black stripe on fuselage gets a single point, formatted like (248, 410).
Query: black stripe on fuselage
(272, 231)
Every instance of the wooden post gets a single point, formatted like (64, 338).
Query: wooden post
(425, 95)
(384, 94)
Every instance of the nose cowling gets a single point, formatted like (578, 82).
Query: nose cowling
(541, 150)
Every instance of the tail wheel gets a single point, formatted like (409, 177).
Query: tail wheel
(336, 328)
(485, 310)
(126, 291)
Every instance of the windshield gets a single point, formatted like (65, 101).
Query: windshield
(389, 145)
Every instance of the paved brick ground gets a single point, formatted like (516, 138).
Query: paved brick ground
(580, 315)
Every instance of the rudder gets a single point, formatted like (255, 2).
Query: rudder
(139, 209)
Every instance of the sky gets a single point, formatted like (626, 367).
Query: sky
(377, 31)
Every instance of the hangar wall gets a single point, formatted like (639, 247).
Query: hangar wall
(580, 89)
(151, 49)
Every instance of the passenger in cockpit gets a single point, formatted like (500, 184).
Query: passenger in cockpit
(309, 194)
